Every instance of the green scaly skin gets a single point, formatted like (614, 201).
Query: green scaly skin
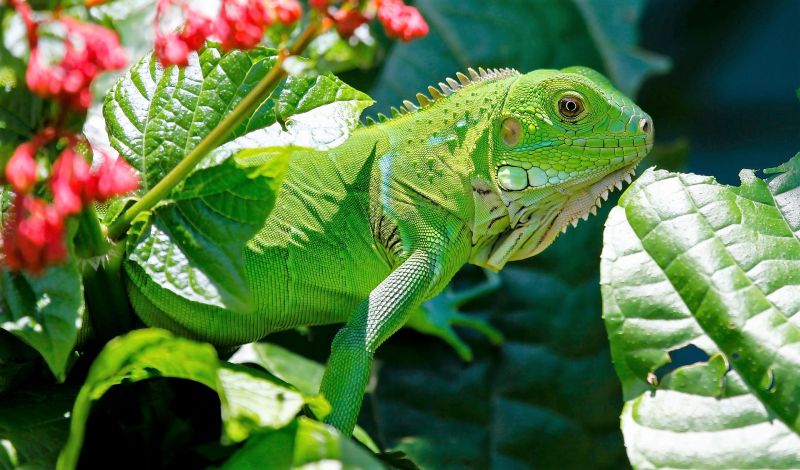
(487, 171)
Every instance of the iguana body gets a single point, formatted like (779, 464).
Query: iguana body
(366, 232)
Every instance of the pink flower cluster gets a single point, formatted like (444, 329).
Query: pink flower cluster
(89, 50)
(240, 25)
(33, 237)
(399, 20)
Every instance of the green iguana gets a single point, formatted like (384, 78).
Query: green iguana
(488, 169)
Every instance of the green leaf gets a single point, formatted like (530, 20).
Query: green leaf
(33, 426)
(156, 116)
(303, 373)
(613, 25)
(250, 400)
(304, 93)
(689, 263)
(785, 187)
(524, 35)
(45, 311)
(193, 244)
(302, 444)
(335, 54)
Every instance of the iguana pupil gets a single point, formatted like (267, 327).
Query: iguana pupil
(570, 106)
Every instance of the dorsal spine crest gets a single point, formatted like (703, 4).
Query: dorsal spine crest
(451, 86)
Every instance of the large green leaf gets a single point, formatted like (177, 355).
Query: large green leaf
(45, 311)
(692, 265)
(192, 243)
(250, 400)
(521, 34)
(302, 373)
(155, 116)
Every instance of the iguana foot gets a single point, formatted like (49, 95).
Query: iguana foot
(439, 315)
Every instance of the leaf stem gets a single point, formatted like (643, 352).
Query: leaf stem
(217, 135)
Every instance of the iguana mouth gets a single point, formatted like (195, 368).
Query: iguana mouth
(578, 206)
(581, 205)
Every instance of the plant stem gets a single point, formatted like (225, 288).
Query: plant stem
(89, 240)
(106, 301)
(214, 138)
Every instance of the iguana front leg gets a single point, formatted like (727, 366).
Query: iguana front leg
(422, 274)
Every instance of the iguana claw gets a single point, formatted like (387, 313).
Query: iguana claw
(439, 315)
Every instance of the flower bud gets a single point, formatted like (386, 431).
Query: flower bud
(401, 21)
(21, 168)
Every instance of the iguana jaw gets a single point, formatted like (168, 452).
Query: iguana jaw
(535, 223)
(579, 206)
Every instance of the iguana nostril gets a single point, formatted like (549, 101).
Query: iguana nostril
(645, 125)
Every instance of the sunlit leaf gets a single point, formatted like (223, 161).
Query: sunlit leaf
(689, 264)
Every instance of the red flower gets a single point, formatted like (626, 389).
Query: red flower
(241, 23)
(71, 182)
(88, 50)
(173, 48)
(401, 21)
(287, 11)
(21, 167)
(348, 20)
(114, 177)
(34, 235)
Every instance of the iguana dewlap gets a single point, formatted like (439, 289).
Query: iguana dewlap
(488, 169)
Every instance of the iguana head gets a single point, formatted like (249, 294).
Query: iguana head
(562, 141)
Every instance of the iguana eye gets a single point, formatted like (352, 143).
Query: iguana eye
(570, 106)
(510, 132)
